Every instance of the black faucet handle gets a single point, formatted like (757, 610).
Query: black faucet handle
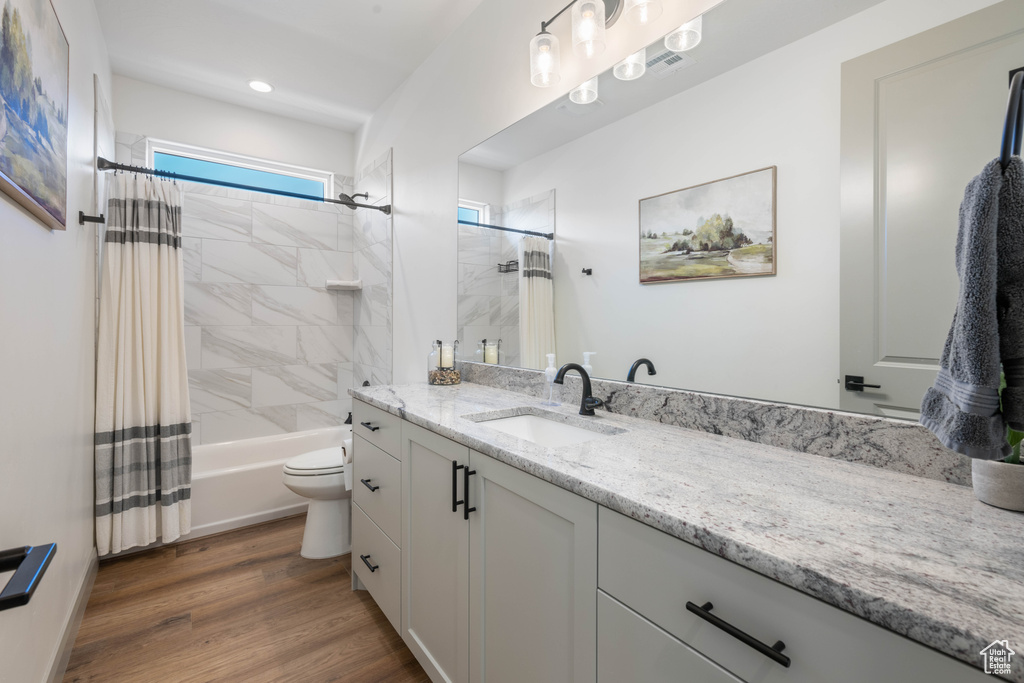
(593, 402)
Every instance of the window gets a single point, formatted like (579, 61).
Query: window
(474, 212)
(469, 215)
(232, 168)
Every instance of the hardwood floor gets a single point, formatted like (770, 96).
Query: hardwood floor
(239, 606)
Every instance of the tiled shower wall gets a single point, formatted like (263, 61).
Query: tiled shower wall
(372, 265)
(270, 350)
(488, 301)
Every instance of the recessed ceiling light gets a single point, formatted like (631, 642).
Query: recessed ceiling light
(260, 86)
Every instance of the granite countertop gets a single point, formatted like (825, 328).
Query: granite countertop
(919, 557)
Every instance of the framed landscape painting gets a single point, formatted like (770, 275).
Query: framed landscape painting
(34, 113)
(724, 228)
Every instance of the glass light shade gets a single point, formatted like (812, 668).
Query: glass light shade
(585, 93)
(588, 27)
(632, 67)
(686, 37)
(641, 12)
(544, 60)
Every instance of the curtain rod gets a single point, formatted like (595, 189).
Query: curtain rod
(107, 165)
(545, 235)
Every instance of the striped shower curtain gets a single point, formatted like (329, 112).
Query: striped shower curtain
(536, 303)
(143, 421)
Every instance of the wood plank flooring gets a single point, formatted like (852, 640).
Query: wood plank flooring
(239, 606)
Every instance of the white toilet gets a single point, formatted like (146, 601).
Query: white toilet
(320, 477)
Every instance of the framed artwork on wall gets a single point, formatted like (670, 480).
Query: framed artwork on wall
(720, 229)
(34, 109)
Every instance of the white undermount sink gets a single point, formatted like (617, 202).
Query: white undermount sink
(542, 431)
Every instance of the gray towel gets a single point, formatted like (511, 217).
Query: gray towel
(962, 409)
(1010, 291)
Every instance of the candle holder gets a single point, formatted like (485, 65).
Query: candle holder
(441, 363)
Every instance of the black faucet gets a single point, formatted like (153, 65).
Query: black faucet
(631, 377)
(588, 403)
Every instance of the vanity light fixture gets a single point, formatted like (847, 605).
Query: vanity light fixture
(686, 37)
(588, 32)
(642, 12)
(260, 86)
(632, 67)
(584, 93)
(589, 20)
(545, 60)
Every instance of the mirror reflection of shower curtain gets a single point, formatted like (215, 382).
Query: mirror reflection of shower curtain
(536, 302)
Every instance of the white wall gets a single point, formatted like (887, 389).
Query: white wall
(165, 114)
(786, 112)
(480, 184)
(47, 317)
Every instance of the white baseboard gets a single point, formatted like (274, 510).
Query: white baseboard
(67, 639)
(239, 522)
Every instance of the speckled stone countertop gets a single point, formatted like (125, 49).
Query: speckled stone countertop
(920, 557)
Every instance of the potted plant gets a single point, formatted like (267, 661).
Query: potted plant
(1001, 482)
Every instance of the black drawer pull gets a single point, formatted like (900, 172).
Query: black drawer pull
(369, 425)
(28, 563)
(367, 484)
(366, 561)
(774, 652)
(455, 485)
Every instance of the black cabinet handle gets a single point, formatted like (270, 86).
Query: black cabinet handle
(366, 561)
(28, 563)
(455, 485)
(856, 383)
(367, 484)
(774, 652)
(369, 425)
(466, 474)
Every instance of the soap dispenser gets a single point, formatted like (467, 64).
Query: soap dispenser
(550, 373)
(586, 361)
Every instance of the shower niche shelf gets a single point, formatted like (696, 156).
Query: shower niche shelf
(344, 285)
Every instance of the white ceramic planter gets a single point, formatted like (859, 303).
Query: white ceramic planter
(999, 484)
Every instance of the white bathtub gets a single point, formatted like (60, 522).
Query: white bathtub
(238, 483)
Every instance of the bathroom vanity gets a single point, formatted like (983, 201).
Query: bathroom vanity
(636, 551)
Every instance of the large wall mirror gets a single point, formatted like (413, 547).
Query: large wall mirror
(868, 181)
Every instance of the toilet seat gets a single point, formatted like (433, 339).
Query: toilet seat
(317, 463)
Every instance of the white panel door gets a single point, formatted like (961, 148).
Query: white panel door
(533, 579)
(921, 118)
(435, 549)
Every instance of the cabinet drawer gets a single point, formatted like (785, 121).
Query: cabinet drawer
(630, 648)
(377, 487)
(385, 581)
(656, 574)
(379, 427)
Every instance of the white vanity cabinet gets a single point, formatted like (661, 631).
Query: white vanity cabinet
(500, 569)
(647, 578)
(376, 508)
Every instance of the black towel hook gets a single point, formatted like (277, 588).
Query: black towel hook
(1013, 130)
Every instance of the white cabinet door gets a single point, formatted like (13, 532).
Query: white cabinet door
(920, 118)
(435, 549)
(533, 579)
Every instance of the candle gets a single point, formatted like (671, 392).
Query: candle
(447, 356)
(491, 354)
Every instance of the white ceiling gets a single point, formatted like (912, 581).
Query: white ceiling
(332, 62)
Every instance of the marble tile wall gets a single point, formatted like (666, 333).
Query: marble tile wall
(488, 301)
(371, 247)
(897, 445)
(270, 350)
